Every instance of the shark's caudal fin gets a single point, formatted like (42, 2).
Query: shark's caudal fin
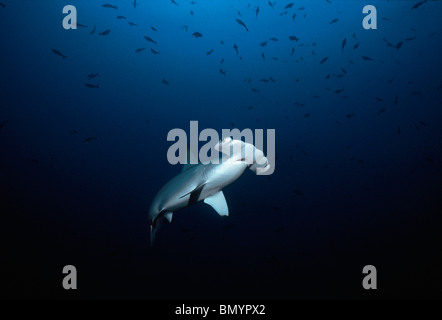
(218, 202)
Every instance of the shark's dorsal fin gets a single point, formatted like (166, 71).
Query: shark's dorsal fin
(218, 202)
(192, 160)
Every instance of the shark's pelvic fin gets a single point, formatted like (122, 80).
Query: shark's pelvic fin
(218, 202)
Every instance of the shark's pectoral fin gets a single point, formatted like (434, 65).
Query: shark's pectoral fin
(168, 216)
(218, 202)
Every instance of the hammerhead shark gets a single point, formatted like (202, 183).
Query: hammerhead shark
(205, 181)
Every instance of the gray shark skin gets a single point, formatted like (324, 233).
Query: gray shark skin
(205, 182)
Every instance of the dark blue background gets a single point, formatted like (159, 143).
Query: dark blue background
(347, 191)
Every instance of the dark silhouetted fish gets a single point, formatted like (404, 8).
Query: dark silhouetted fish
(2, 5)
(257, 11)
(121, 17)
(164, 81)
(306, 115)
(149, 39)
(293, 38)
(292, 52)
(334, 21)
(270, 4)
(344, 42)
(132, 24)
(323, 60)
(140, 50)
(197, 35)
(290, 5)
(263, 44)
(92, 86)
(153, 28)
(263, 56)
(242, 24)
(236, 48)
(174, 2)
(222, 61)
(274, 39)
(109, 6)
(366, 58)
(350, 115)
(209, 52)
(396, 100)
(58, 53)
(104, 33)
(2, 124)
(93, 30)
(222, 71)
(417, 5)
(338, 91)
(381, 111)
(294, 16)
(89, 139)
(255, 90)
(283, 13)
(92, 76)
(356, 45)
(154, 51)
(410, 39)
(379, 99)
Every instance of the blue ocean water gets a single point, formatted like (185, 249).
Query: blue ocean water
(357, 115)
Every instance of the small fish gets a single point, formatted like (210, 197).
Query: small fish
(2, 5)
(222, 71)
(263, 56)
(140, 50)
(81, 25)
(58, 53)
(264, 80)
(191, 12)
(104, 33)
(164, 81)
(92, 76)
(410, 39)
(174, 2)
(417, 5)
(132, 24)
(236, 48)
(2, 124)
(270, 4)
(153, 28)
(334, 21)
(283, 13)
(344, 42)
(186, 28)
(323, 60)
(292, 52)
(274, 39)
(222, 61)
(350, 115)
(109, 6)
(155, 52)
(381, 111)
(379, 99)
(149, 39)
(399, 45)
(290, 5)
(89, 139)
(121, 17)
(263, 44)
(307, 115)
(197, 35)
(255, 90)
(272, 80)
(242, 24)
(257, 11)
(338, 91)
(356, 45)
(366, 58)
(294, 16)
(396, 100)
(92, 86)
(209, 52)
(93, 30)
(293, 38)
